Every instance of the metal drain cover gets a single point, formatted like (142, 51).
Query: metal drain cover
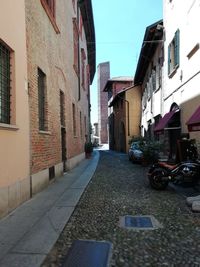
(85, 253)
(142, 222)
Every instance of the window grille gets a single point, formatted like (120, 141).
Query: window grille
(74, 119)
(4, 84)
(41, 100)
(62, 109)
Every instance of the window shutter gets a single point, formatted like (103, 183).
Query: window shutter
(169, 58)
(177, 45)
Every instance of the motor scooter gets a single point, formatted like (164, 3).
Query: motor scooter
(188, 170)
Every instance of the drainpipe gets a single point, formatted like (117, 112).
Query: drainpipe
(128, 123)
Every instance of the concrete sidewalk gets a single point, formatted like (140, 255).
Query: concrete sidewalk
(30, 231)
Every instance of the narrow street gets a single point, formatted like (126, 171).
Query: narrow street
(120, 188)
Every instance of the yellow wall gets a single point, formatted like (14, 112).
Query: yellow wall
(133, 96)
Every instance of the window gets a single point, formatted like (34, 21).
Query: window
(81, 130)
(83, 57)
(5, 84)
(88, 76)
(62, 109)
(173, 54)
(75, 33)
(154, 79)
(42, 101)
(50, 9)
(74, 119)
(85, 125)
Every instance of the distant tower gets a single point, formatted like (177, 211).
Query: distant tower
(103, 74)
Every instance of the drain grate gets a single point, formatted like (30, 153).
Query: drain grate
(142, 222)
(138, 222)
(85, 253)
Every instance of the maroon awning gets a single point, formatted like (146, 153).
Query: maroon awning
(164, 121)
(194, 121)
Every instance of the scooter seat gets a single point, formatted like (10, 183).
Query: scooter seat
(168, 166)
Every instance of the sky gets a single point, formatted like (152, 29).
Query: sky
(119, 29)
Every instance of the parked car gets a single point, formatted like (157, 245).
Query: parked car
(134, 153)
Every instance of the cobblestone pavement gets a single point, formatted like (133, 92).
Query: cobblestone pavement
(118, 188)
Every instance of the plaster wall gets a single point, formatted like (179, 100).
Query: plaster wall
(14, 138)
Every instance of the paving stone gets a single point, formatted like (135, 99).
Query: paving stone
(190, 200)
(118, 188)
(196, 206)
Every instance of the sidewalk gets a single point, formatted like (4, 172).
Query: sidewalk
(30, 231)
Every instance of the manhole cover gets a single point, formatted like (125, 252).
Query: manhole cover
(142, 222)
(86, 253)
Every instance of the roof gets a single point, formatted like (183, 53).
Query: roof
(117, 79)
(152, 37)
(120, 93)
(88, 22)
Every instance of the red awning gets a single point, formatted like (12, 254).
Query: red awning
(194, 121)
(164, 121)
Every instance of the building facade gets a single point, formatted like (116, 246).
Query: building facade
(103, 74)
(46, 70)
(148, 76)
(59, 61)
(172, 111)
(14, 109)
(112, 87)
(125, 118)
(182, 66)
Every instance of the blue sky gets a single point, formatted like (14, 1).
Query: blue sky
(120, 27)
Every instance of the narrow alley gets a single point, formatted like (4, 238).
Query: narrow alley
(120, 188)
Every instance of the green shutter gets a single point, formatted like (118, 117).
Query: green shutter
(177, 47)
(169, 58)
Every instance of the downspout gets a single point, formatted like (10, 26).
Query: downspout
(128, 123)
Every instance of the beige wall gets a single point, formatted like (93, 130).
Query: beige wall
(134, 98)
(14, 139)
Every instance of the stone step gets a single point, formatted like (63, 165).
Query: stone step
(190, 200)
(196, 206)
(88, 253)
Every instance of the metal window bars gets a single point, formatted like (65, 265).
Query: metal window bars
(41, 100)
(5, 80)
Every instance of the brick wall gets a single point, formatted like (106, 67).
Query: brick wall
(52, 52)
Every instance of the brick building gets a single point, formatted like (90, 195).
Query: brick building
(61, 52)
(46, 69)
(103, 74)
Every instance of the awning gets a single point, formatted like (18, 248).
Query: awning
(164, 121)
(194, 122)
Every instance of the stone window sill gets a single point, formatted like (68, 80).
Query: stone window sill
(10, 127)
(45, 132)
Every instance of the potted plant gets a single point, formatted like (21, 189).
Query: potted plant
(151, 150)
(88, 149)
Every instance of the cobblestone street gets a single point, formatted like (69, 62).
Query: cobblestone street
(120, 188)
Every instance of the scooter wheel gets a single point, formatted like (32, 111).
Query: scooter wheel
(156, 181)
